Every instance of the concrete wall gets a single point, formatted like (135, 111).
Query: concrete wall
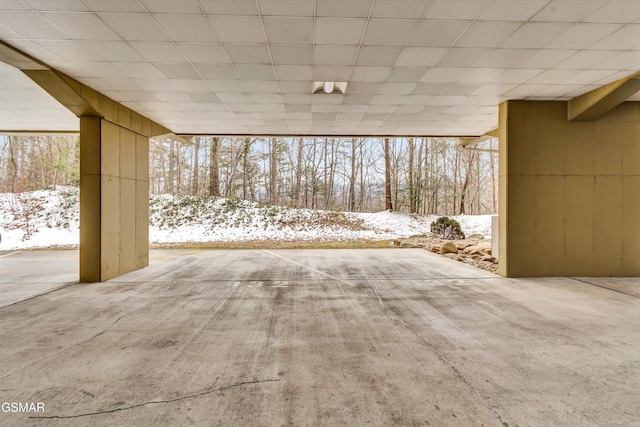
(569, 191)
(114, 200)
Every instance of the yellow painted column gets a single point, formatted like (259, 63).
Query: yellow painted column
(569, 198)
(114, 200)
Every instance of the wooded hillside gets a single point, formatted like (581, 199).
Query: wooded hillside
(415, 175)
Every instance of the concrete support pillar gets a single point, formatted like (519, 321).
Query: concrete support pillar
(569, 191)
(114, 200)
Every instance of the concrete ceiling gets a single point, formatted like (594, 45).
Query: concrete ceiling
(413, 67)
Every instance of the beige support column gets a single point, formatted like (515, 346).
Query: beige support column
(569, 191)
(114, 200)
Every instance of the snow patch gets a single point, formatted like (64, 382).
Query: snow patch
(54, 219)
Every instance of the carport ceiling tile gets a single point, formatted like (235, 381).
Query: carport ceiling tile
(344, 9)
(292, 55)
(203, 53)
(487, 34)
(339, 31)
(566, 10)
(625, 38)
(303, 8)
(462, 57)
(187, 28)
(456, 9)
(239, 29)
(420, 56)
(619, 12)
(582, 36)
(392, 32)
(586, 59)
(31, 25)
(178, 71)
(71, 50)
(509, 10)
(139, 70)
(378, 55)
(399, 9)
(248, 53)
(82, 26)
(229, 7)
(438, 33)
(505, 58)
(114, 6)
(334, 55)
(406, 62)
(289, 30)
(45, 5)
(159, 51)
(535, 35)
(134, 26)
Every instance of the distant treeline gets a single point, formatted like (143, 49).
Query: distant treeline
(416, 175)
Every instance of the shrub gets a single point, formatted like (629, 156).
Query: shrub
(447, 228)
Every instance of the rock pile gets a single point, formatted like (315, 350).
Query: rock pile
(474, 250)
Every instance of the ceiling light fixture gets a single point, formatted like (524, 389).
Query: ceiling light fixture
(329, 87)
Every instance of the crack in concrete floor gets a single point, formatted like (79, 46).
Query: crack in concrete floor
(160, 401)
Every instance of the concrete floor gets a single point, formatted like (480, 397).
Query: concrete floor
(318, 337)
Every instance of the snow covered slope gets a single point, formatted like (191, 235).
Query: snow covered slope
(49, 218)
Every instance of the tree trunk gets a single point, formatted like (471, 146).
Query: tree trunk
(387, 176)
(418, 189)
(352, 177)
(412, 197)
(362, 179)
(325, 168)
(196, 155)
(332, 174)
(171, 166)
(465, 184)
(273, 173)
(296, 191)
(214, 167)
(314, 176)
(246, 149)
(13, 166)
(178, 168)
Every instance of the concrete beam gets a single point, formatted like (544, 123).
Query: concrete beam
(598, 102)
(20, 60)
(80, 99)
(54, 84)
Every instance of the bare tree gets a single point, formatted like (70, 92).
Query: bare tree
(352, 177)
(273, 174)
(463, 191)
(296, 191)
(214, 167)
(246, 149)
(196, 155)
(411, 184)
(13, 166)
(387, 176)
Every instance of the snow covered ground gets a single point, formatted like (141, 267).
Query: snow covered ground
(49, 218)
